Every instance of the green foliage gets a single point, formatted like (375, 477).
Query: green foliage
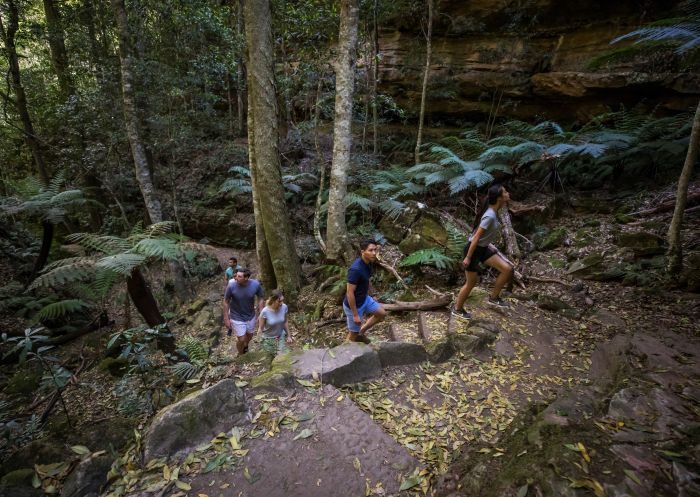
(195, 350)
(132, 400)
(429, 257)
(61, 309)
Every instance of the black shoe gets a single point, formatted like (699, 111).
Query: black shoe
(498, 302)
(461, 314)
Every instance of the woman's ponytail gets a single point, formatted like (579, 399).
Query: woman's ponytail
(491, 198)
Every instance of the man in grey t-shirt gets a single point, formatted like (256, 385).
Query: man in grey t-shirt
(239, 307)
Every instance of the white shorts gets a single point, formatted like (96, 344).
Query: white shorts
(243, 327)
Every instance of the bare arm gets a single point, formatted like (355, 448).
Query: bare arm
(261, 324)
(351, 302)
(227, 322)
(473, 245)
(286, 328)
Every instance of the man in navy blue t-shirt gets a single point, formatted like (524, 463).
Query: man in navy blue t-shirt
(357, 301)
(239, 307)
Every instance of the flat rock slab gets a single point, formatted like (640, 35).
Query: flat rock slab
(400, 353)
(341, 365)
(195, 419)
(321, 465)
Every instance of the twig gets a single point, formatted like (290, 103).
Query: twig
(330, 321)
(435, 292)
(392, 271)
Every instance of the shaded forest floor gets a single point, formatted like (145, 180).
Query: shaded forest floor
(456, 421)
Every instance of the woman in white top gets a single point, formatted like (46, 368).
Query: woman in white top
(273, 324)
(481, 249)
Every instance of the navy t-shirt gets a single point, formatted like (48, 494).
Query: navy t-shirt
(359, 274)
(242, 299)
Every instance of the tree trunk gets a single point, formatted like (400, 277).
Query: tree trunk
(512, 249)
(336, 230)
(266, 170)
(267, 271)
(426, 74)
(147, 306)
(675, 249)
(57, 45)
(375, 66)
(321, 169)
(240, 80)
(46, 241)
(8, 36)
(131, 118)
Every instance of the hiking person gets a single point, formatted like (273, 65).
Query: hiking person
(481, 249)
(232, 268)
(357, 300)
(239, 307)
(272, 324)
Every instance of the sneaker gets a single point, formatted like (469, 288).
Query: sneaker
(363, 339)
(498, 302)
(461, 314)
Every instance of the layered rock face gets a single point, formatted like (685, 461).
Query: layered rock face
(532, 59)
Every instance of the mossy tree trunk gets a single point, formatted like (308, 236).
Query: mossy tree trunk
(266, 168)
(336, 230)
(426, 75)
(675, 249)
(512, 248)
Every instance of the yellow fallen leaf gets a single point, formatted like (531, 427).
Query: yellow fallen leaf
(182, 485)
(166, 473)
(584, 452)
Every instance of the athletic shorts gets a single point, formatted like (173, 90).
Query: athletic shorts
(243, 327)
(480, 255)
(369, 306)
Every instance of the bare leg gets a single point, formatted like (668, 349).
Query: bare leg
(505, 269)
(241, 344)
(471, 277)
(375, 318)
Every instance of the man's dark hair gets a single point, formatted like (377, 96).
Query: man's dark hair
(367, 242)
(245, 271)
(233, 259)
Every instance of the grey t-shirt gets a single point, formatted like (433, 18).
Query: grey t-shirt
(242, 299)
(491, 225)
(274, 321)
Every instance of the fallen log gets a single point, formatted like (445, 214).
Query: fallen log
(421, 305)
(668, 205)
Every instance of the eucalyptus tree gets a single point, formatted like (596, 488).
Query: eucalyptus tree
(274, 240)
(686, 31)
(336, 230)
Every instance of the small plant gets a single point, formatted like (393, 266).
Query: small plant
(197, 356)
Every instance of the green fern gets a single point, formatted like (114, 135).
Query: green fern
(161, 248)
(76, 269)
(185, 370)
(353, 199)
(429, 257)
(61, 308)
(195, 350)
(123, 264)
(456, 240)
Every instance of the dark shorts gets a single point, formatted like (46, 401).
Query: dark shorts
(480, 255)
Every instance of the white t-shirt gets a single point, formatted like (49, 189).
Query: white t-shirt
(274, 321)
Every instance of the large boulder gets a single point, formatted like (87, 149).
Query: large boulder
(427, 232)
(553, 239)
(341, 365)
(400, 353)
(195, 419)
(88, 477)
(642, 243)
(394, 228)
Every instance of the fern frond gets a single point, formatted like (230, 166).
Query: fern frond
(475, 179)
(353, 199)
(456, 240)
(236, 185)
(243, 171)
(409, 189)
(123, 264)
(60, 309)
(160, 229)
(592, 149)
(391, 207)
(184, 370)
(549, 127)
(105, 244)
(441, 176)
(195, 350)
(428, 257)
(689, 31)
(78, 269)
(162, 248)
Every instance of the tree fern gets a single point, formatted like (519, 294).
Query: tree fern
(100, 243)
(123, 264)
(429, 257)
(456, 240)
(60, 309)
(355, 200)
(161, 248)
(391, 207)
(469, 179)
(76, 269)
